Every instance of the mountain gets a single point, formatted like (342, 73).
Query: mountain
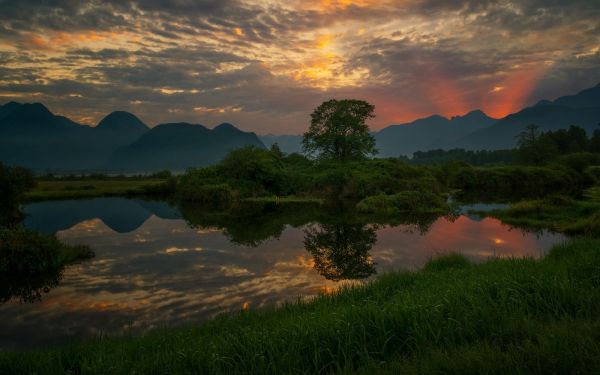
(423, 134)
(429, 133)
(32, 136)
(180, 146)
(287, 143)
(475, 130)
(584, 99)
(123, 123)
(581, 109)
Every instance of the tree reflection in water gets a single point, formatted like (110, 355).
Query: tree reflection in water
(341, 250)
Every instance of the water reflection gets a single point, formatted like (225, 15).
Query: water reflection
(341, 250)
(30, 288)
(159, 265)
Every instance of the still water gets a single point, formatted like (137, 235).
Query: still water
(158, 265)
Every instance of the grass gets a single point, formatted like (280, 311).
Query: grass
(285, 199)
(558, 213)
(503, 316)
(91, 188)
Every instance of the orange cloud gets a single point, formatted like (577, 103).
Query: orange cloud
(511, 94)
(51, 41)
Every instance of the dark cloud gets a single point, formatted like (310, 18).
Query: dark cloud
(265, 65)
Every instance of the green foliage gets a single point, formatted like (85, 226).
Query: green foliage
(542, 148)
(503, 316)
(579, 161)
(595, 141)
(514, 181)
(592, 173)
(338, 130)
(533, 148)
(74, 188)
(559, 213)
(14, 183)
(206, 193)
(404, 201)
(479, 157)
(446, 262)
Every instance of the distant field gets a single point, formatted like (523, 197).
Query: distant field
(89, 188)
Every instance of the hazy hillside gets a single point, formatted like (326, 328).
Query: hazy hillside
(582, 109)
(287, 143)
(180, 146)
(32, 136)
(475, 130)
(435, 132)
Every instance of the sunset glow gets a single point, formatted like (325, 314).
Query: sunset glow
(274, 61)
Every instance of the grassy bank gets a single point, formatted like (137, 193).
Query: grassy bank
(506, 315)
(91, 188)
(559, 213)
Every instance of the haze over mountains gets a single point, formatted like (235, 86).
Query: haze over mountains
(475, 130)
(31, 136)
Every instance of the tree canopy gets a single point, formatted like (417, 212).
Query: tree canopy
(338, 130)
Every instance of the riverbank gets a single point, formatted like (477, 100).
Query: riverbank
(506, 315)
(92, 188)
(559, 213)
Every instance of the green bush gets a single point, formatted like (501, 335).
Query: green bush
(405, 201)
(213, 193)
(592, 174)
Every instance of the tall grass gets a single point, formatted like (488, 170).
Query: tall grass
(506, 315)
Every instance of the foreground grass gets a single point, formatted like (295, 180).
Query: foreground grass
(507, 315)
(558, 213)
(90, 188)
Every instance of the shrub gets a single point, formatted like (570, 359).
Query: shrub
(211, 193)
(404, 201)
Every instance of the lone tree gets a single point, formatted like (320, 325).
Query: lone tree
(338, 130)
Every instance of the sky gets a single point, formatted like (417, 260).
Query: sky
(264, 65)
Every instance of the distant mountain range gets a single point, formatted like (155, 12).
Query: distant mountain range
(475, 130)
(32, 136)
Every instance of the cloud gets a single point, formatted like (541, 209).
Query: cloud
(275, 61)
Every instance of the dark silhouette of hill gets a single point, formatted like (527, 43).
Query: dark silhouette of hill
(123, 123)
(475, 130)
(287, 143)
(180, 146)
(582, 109)
(33, 137)
(435, 132)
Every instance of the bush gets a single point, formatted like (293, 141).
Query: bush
(592, 174)
(212, 193)
(405, 201)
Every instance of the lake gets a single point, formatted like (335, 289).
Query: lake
(160, 265)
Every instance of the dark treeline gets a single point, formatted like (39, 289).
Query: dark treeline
(478, 157)
(534, 147)
(540, 148)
